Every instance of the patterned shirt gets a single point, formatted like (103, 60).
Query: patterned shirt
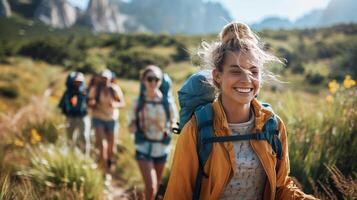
(154, 123)
(249, 179)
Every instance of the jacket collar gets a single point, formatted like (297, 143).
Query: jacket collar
(262, 114)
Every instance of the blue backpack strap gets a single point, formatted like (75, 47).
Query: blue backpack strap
(270, 134)
(204, 117)
(139, 135)
(259, 136)
(271, 127)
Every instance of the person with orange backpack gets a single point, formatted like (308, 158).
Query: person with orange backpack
(105, 99)
(153, 115)
(73, 105)
(231, 145)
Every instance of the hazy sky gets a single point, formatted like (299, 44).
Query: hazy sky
(250, 11)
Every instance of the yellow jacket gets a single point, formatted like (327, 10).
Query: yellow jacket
(220, 165)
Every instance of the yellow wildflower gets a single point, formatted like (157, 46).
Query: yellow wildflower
(329, 99)
(348, 82)
(333, 86)
(19, 143)
(35, 136)
(53, 100)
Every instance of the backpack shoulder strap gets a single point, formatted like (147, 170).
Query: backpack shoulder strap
(204, 117)
(97, 93)
(139, 106)
(64, 103)
(113, 93)
(271, 131)
(166, 101)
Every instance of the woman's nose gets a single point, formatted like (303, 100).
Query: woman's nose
(245, 76)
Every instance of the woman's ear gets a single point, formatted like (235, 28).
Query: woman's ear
(216, 75)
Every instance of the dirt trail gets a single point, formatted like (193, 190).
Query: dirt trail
(114, 190)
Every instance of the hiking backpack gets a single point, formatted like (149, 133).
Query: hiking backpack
(195, 98)
(167, 99)
(98, 90)
(80, 109)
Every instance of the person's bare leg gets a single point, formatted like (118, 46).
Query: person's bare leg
(159, 168)
(110, 148)
(148, 172)
(99, 136)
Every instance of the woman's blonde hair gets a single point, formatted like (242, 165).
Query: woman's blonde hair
(236, 37)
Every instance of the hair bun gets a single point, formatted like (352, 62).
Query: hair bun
(236, 31)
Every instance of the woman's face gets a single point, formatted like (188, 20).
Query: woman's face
(151, 81)
(239, 80)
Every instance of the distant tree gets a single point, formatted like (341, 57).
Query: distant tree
(345, 63)
(181, 53)
(297, 68)
(52, 50)
(315, 79)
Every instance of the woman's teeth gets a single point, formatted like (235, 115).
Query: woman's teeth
(244, 90)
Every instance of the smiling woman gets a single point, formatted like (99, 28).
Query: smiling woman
(234, 147)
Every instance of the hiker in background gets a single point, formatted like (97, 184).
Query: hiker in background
(105, 99)
(234, 147)
(74, 106)
(153, 115)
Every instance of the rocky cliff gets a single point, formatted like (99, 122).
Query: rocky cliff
(57, 13)
(103, 16)
(5, 10)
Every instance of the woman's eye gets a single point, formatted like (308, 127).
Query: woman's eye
(255, 72)
(236, 71)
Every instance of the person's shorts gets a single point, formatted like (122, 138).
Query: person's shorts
(145, 157)
(110, 126)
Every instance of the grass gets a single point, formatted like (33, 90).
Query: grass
(320, 133)
(21, 75)
(52, 168)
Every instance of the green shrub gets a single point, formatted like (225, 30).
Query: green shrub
(181, 53)
(129, 63)
(345, 63)
(9, 92)
(47, 130)
(315, 79)
(297, 68)
(59, 168)
(54, 51)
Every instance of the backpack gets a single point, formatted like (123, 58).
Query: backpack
(70, 80)
(98, 90)
(80, 109)
(167, 100)
(195, 98)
